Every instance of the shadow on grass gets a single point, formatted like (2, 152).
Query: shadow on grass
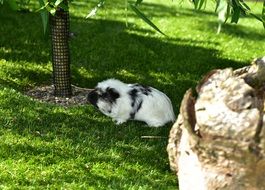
(239, 31)
(105, 49)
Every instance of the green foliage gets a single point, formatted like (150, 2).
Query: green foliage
(44, 15)
(234, 8)
(49, 7)
(134, 7)
(144, 18)
(138, 2)
(263, 13)
(95, 9)
(52, 5)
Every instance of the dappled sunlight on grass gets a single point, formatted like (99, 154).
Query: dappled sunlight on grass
(22, 74)
(129, 75)
(167, 79)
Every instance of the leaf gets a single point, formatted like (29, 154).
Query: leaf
(221, 9)
(44, 16)
(228, 12)
(93, 12)
(144, 18)
(263, 14)
(45, 19)
(245, 5)
(58, 2)
(257, 17)
(235, 3)
(53, 11)
(196, 2)
(201, 3)
(235, 15)
(217, 5)
(43, 7)
(42, 4)
(64, 6)
(138, 2)
(236, 10)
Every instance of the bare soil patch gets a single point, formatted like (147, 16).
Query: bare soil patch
(46, 94)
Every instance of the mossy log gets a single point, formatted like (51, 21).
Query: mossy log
(218, 140)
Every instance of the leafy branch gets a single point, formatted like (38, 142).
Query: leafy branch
(225, 9)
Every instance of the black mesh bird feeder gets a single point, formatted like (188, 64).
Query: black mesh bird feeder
(60, 53)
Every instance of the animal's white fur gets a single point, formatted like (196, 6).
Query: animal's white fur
(156, 108)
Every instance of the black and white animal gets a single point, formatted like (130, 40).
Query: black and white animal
(122, 102)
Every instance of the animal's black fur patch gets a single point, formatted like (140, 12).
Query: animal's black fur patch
(111, 95)
(136, 98)
(136, 108)
(92, 97)
(133, 95)
(132, 115)
(146, 90)
(139, 106)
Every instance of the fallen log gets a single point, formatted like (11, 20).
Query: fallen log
(218, 140)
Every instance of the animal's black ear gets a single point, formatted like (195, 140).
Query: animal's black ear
(113, 93)
(92, 97)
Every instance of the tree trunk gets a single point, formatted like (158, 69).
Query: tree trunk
(61, 53)
(218, 140)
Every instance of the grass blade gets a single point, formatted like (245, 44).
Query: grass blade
(144, 18)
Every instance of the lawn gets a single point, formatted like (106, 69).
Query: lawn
(45, 146)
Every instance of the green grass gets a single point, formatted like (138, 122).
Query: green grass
(45, 146)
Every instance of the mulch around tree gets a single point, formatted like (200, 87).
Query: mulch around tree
(46, 94)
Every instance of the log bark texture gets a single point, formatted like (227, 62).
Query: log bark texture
(218, 140)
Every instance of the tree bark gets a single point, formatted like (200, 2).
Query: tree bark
(218, 140)
(61, 53)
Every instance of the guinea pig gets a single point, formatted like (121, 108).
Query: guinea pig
(124, 102)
